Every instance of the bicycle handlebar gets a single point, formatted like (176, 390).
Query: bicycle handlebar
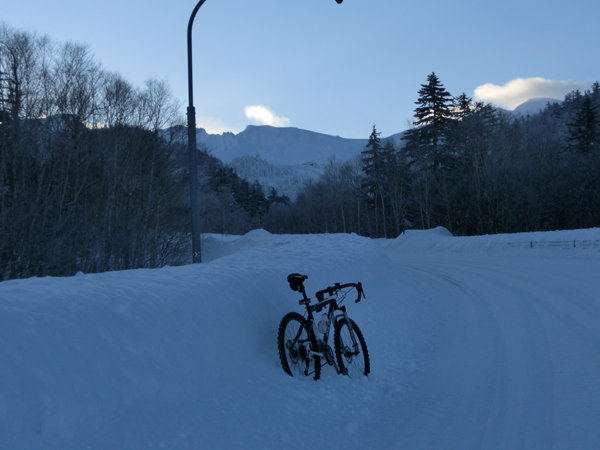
(337, 287)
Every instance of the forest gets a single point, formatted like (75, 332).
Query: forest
(464, 165)
(94, 170)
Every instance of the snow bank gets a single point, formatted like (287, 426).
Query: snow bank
(186, 357)
(180, 357)
(579, 243)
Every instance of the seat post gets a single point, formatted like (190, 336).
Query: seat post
(297, 283)
(302, 291)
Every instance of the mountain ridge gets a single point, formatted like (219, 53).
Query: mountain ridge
(534, 106)
(296, 146)
(282, 145)
(285, 158)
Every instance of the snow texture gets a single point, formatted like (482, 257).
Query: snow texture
(284, 158)
(281, 145)
(488, 342)
(534, 106)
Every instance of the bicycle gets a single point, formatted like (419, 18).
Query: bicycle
(301, 349)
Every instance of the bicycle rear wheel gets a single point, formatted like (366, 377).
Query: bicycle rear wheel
(352, 361)
(294, 347)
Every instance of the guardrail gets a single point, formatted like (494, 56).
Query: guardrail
(557, 244)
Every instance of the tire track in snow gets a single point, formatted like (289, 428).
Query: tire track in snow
(564, 295)
(490, 375)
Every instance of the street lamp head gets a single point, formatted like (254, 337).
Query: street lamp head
(339, 2)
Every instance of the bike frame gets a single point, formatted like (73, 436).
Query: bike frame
(323, 349)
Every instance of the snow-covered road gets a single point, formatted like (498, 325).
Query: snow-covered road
(475, 343)
(516, 360)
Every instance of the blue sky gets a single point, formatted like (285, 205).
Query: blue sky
(334, 69)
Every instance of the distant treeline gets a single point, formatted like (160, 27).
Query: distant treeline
(94, 171)
(465, 166)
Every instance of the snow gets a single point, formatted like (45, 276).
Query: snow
(489, 342)
(284, 158)
(281, 145)
(534, 106)
(286, 179)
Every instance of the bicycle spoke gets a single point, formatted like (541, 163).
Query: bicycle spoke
(294, 347)
(351, 350)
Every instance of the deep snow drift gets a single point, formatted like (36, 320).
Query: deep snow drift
(475, 343)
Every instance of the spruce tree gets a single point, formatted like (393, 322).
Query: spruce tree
(596, 95)
(371, 157)
(463, 106)
(433, 118)
(373, 184)
(433, 113)
(583, 131)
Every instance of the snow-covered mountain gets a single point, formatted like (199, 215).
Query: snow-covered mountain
(281, 145)
(534, 106)
(283, 158)
(286, 157)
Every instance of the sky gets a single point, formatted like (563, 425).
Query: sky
(332, 68)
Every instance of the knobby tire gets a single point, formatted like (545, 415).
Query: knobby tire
(293, 342)
(353, 365)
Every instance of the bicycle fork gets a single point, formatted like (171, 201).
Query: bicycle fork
(351, 330)
(325, 351)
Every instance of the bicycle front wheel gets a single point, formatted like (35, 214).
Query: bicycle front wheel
(295, 346)
(352, 355)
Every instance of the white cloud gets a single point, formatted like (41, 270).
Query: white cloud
(264, 116)
(214, 126)
(515, 92)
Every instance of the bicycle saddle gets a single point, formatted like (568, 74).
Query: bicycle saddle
(296, 281)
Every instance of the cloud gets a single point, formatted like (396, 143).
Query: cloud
(515, 92)
(214, 126)
(264, 116)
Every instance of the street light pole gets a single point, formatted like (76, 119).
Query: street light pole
(192, 149)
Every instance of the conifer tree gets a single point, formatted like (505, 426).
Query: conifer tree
(596, 95)
(583, 131)
(463, 106)
(433, 113)
(371, 157)
(373, 168)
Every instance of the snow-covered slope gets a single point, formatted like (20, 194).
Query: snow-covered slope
(534, 106)
(290, 155)
(286, 179)
(289, 146)
(476, 343)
